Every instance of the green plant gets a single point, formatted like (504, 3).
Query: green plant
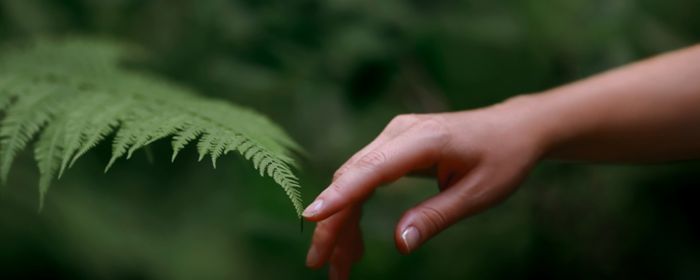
(73, 95)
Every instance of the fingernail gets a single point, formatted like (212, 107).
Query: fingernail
(410, 237)
(312, 257)
(313, 209)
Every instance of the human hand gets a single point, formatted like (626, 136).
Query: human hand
(478, 158)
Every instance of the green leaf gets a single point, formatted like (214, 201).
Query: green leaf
(73, 94)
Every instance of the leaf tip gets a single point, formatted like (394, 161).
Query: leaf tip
(109, 165)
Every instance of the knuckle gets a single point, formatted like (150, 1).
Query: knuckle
(403, 120)
(336, 188)
(371, 160)
(433, 218)
(433, 125)
(435, 128)
(336, 175)
(341, 192)
(339, 172)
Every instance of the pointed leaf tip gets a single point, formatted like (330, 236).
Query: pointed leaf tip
(109, 164)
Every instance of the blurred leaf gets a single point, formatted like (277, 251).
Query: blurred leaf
(76, 90)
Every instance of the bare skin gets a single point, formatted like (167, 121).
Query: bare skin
(647, 111)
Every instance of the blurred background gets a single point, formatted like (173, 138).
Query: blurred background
(333, 73)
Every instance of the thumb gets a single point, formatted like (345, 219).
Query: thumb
(432, 216)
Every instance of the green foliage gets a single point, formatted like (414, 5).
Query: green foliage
(73, 95)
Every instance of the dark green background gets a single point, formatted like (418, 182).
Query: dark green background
(333, 73)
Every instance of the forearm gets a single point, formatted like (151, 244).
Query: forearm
(647, 111)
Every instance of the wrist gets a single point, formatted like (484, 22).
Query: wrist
(532, 119)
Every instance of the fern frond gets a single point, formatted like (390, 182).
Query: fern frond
(23, 120)
(89, 127)
(47, 153)
(183, 137)
(7, 93)
(74, 95)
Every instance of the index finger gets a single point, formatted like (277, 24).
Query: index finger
(416, 148)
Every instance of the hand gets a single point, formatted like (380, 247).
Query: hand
(478, 158)
(646, 111)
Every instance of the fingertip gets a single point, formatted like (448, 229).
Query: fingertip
(413, 231)
(312, 258)
(313, 209)
(326, 205)
(319, 217)
(326, 237)
(411, 238)
(407, 239)
(316, 266)
(400, 246)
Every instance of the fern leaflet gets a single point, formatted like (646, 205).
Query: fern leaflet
(72, 94)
